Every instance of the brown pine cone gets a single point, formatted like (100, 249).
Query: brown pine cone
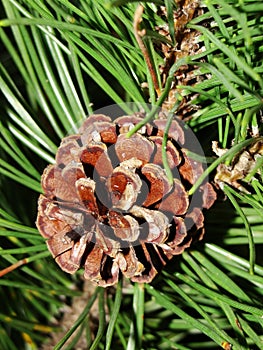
(188, 43)
(109, 207)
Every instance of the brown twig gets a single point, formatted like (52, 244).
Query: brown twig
(13, 267)
(138, 35)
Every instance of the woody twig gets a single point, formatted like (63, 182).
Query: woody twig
(139, 34)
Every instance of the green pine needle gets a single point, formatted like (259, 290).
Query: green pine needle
(61, 60)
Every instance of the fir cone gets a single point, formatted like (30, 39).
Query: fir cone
(108, 206)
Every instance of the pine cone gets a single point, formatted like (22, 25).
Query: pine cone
(188, 43)
(108, 205)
